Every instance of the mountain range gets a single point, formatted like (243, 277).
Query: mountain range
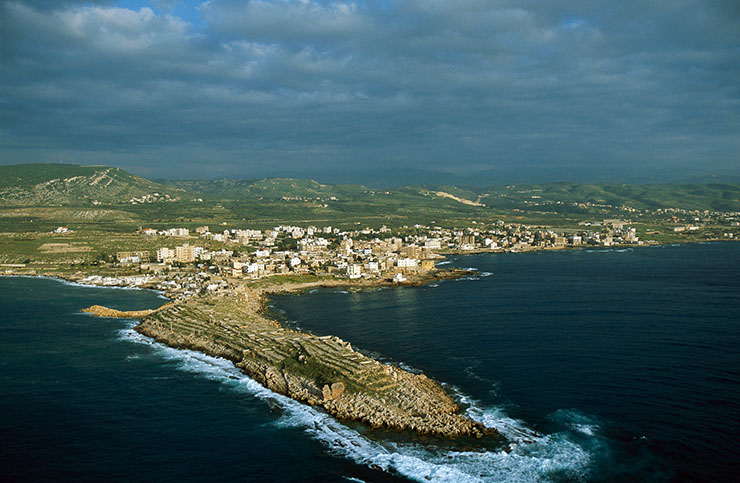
(76, 185)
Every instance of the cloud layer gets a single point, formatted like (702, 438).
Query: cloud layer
(278, 86)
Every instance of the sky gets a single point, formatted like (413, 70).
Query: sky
(494, 90)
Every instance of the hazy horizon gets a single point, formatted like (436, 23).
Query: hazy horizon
(375, 91)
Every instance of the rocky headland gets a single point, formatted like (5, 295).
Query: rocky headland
(320, 371)
(100, 311)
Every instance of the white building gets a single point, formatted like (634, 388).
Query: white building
(433, 243)
(177, 232)
(371, 267)
(165, 254)
(406, 262)
(354, 270)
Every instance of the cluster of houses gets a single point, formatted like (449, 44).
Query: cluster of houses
(367, 253)
(153, 198)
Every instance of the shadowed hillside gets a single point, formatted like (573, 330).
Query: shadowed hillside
(67, 184)
(117, 198)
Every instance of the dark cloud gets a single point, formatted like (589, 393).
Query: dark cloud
(260, 87)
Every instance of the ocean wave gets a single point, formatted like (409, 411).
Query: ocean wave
(446, 262)
(576, 421)
(468, 278)
(530, 456)
(666, 245)
(610, 250)
(58, 279)
(160, 293)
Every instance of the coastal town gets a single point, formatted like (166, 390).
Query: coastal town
(218, 270)
(209, 260)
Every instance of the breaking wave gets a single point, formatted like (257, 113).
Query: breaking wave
(528, 455)
(610, 250)
(160, 293)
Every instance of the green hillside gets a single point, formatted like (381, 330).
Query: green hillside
(711, 196)
(267, 189)
(67, 184)
(212, 188)
(108, 198)
(553, 197)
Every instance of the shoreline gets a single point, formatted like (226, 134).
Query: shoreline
(293, 380)
(322, 371)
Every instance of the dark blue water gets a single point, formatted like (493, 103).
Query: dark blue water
(633, 355)
(624, 364)
(84, 399)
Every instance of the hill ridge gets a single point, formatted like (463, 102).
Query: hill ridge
(69, 184)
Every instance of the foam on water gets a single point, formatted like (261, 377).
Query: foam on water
(57, 279)
(468, 278)
(610, 250)
(446, 262)
(530, 456)
(160, 293)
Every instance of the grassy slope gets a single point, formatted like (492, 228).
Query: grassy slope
(721, 197)
(65, 184)
(267, 202)
(26, 223)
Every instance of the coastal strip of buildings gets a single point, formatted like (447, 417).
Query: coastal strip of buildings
(184, 264)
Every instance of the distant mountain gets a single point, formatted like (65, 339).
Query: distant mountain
(212, 188)
(551, 197)
(507, 175)
(64, 184)
(561, 197)
(69, 184)
(269, 189)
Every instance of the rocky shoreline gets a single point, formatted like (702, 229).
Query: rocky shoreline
(320, 371)
(100, 311)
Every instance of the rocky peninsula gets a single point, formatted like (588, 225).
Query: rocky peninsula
(321, 371)
(100, 311)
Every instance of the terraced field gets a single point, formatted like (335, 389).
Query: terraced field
(323, 371)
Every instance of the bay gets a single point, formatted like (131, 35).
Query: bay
(631, 355)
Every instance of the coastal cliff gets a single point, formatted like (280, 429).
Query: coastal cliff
(321, 371)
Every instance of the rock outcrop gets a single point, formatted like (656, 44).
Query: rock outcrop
(100, 311)
(321, 371)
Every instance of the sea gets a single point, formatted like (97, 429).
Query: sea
(599, 364)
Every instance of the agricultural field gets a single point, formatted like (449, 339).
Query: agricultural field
(103, 208)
